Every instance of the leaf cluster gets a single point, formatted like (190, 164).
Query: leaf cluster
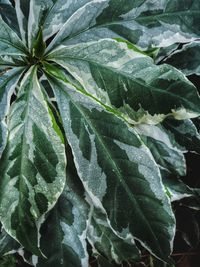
(98, 108)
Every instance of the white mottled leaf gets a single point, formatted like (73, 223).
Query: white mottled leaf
(186, 59)
(22, 11)
(129, 81)
(184, 133)
(82, 19)
(179, 190)
(105, 241)
(7, 244)
(117, 170)
(37, 10)
(64, 233)
(10, 43)
(8, 84)
(32, 167)
(146, 23)
(8, 14)
(165, 151)
(59, 13)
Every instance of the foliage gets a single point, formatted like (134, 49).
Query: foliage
(7, 261)
(96, 117)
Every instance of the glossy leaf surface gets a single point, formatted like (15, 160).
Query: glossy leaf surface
(120, 77)
(94, 127)
(112, 153)
(32, 167)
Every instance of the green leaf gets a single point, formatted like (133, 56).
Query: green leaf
(8, 261)
(145, 23)
(179, 190)
(64, 232)
(3, 135)
(157, 263)
(129, 81)
(117, 170)
(103, 262)
(22, 11)
(185, 133)
(64, 10)
(82, 82)
(8, 14)
(186, 59)
(7, 62)
(8, 84)
(32, 168)
(165, 151)
(39, 46)
(10, 43)
(164, 52)
(7, 244)
(78, 23)
(105, 241)
(37, 10)
(151, 52)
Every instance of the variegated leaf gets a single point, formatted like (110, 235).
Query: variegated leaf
(22, 11)
(82, 19)
(146, 23)
(179, 190)
(59, 13)
(99, 85)
(32, 168)
(121, 77)
(8, 245)
(8, 84)
(37, 10)
(8, 14)
(64, 233)
(7, 62)
(105, 241)
(117, 170)
(165, 151)
(10, 43)
(164, 52)
(30, 14)
(187, 59)
(185, 133)
(3, 135)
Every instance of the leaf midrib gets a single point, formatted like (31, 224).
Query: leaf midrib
(142, 18)
(189, 12)
(22, 159)
(12, 45)
(120, 178)
(126, 75)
